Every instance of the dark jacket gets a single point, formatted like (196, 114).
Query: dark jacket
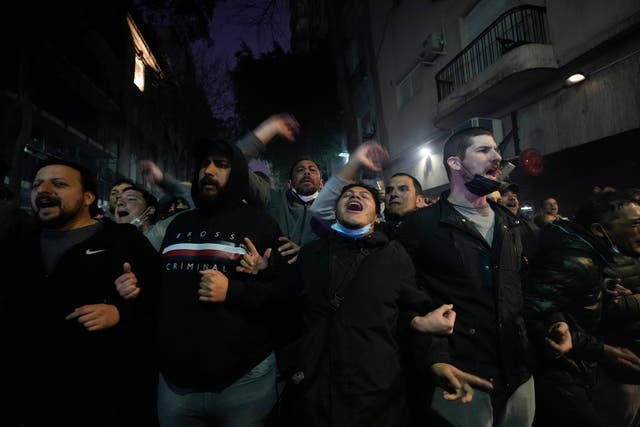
(210, 345)
(565, 283)
(360, 363)
(456, 266)
(88, 378)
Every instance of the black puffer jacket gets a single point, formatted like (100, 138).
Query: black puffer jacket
(565, 283)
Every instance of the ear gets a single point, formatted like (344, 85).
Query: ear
(289, 186)
(89, 198)
(152, 210)
(454, 163)
(597, 229)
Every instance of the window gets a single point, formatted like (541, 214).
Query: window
(138, 77)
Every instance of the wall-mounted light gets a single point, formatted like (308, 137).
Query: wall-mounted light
(425, 152)
(575, 78)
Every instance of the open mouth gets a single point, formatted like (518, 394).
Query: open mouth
(354, 206)
(492, 171)
(46, 202)
(122, 213)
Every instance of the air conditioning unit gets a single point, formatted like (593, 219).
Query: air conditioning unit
(488, 123)
(432, 47)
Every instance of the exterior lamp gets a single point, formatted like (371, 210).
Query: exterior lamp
(575, 78)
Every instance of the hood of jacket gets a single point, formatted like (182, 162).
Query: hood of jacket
(236, 190)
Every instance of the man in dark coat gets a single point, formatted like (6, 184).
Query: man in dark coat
(566, 284)
(467, 252)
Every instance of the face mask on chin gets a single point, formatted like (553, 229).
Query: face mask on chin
(481, 186)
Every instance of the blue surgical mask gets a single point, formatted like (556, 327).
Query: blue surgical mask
(353, 233)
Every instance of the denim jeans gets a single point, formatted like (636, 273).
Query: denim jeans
(245, 403)
(518, 411)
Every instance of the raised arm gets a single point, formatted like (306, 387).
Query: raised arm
(254, 143)
(154, 175)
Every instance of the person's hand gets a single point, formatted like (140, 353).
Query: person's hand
(127, 283)
(283, 124)
(457, 383)
(151, 172)
(371, 155)
(627, 269)
(252, 262)
(614, 289)
(288, 248)
(558, 339)
(623, 357)
(439, 321)
(213, 286)
(95, 317)
(287, 126)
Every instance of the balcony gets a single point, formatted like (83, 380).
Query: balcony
(509, 57)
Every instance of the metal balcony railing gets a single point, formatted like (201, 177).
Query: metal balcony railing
(515, 27)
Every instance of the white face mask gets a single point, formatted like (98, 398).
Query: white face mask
(140, 219)
(305, 198)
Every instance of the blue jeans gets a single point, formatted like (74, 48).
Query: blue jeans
(245, 403)
(518, 411)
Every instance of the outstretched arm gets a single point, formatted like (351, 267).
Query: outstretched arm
(155, 176)
(254, 143)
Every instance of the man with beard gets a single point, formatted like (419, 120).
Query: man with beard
(215, 340)
(74, 332)
(467, 252)
(290, 207)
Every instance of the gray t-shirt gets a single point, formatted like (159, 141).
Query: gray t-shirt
(482, 219)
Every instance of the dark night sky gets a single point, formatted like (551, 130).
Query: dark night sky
(229, 28)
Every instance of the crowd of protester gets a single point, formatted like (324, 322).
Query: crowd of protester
(227, 302)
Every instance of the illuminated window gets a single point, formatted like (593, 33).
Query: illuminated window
(138, 77)
(144, 58)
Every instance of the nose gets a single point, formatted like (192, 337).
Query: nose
(211, 169)
(44, 187)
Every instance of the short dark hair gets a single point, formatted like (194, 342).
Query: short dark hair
(123, 180)
(509, 187)
(88, 179)
(369, 188)
(416, 183)
(458, 142)
(149, 199)
(301, 159)
(602, 208)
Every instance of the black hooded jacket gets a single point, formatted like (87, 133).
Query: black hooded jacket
(204, 344)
